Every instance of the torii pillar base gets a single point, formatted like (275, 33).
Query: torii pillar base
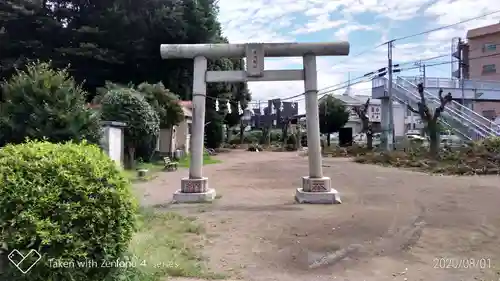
(194, 191)
(317, 191)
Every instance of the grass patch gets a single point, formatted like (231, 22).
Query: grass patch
(164, 246)
(152, 167)
(207, 160)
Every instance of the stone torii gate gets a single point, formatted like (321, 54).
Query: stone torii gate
(315, 188)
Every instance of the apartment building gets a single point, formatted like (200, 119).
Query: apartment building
(484, 53)
(484, 64)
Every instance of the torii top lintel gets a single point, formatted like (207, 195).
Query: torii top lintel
(214, 51)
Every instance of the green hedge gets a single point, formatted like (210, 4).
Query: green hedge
(69, 202)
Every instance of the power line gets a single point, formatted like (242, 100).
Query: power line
(422, 60)
(449, 62)
(444, 27)
(397, 39)
(320, 95)
(362, 52)
(323, 89)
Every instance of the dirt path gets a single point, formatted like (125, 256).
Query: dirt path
(392, 225)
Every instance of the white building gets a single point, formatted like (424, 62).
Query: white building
(403, 120)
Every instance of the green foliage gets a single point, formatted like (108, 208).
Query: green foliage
(291, 142)
(128, 106)
(41, 102)
(332, 115)
(109, 41)
(213, 130)
(70, 202)
(164, 102)
(479, 158)
(256, 136)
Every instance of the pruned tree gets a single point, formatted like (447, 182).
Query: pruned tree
(431, 119)
(366, 125)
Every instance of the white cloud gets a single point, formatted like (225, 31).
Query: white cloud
(283, 21)
(321, 22)
(342, 34)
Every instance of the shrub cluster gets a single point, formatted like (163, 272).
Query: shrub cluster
(479, 158)
(350, 151)
(70, 203)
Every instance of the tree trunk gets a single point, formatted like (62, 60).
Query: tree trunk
(328, 140)
(369, 141)
(242, 130)
(433, 132)
(285, 135)
(228, 134)
(130, 163)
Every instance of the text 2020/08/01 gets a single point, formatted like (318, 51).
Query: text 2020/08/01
(464, 263)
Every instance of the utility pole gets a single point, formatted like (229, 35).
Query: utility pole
(259, 116)
(460, 68)
(389, 93)
(423, 70)
(348, 90)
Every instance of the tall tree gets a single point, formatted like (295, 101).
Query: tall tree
(108, 40)
(332, 116)
(431, 119)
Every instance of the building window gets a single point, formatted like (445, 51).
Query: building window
(489, 47)
(190, 128)
(489, 68)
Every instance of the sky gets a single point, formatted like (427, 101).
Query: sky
(364, 24)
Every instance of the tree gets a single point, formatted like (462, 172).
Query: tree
(431, 119)
(128, 106)
(107, 40)
(332, 116)
(366, 125)
(213, 129)
(41, 102)
(164, 102)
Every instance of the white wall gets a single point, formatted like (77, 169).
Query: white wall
(399, 120)
(116, 144)
(112, 143)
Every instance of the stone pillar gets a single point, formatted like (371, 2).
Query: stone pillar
(315, 188)
(195, 187)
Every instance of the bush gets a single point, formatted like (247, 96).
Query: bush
(143, 125)
(350, 151)
(254, 147)
(70, 202)
(291, 142)
(41, 102)
(252, 137)
(275, 136)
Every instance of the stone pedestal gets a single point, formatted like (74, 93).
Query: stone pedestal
(194, 191)
(317, 191)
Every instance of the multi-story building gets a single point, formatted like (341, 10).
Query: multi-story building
(483, 64)
(484, 53)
